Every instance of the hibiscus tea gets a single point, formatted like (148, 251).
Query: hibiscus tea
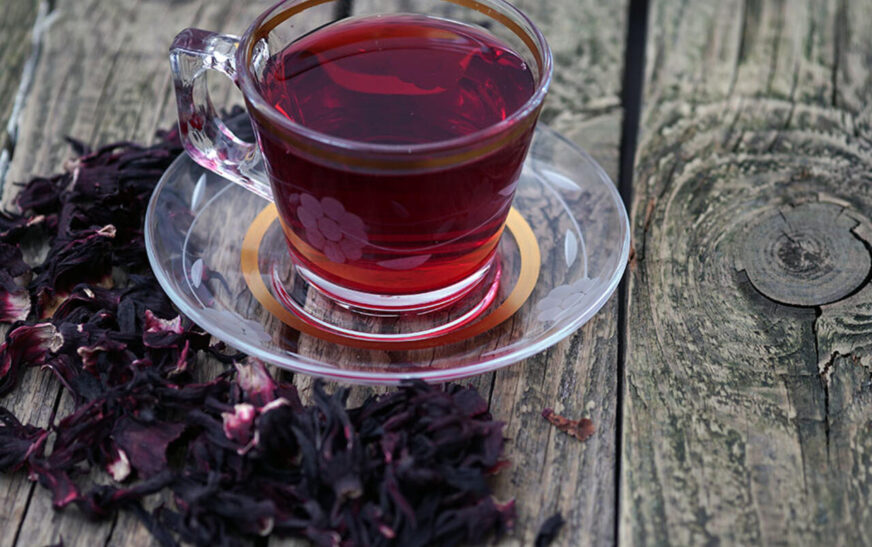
(387, 82)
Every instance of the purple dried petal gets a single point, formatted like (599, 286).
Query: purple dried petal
(79, 147)
(58, 481)
(14, 275)
(11, 226)
(181, 364)
(91, 355)
(11, 261)
(119, 467)
(239, 424)
(18, 442)
(255, 381)
(14, 304)
(154, 323)
(87, 300)
(276, 441)
(42, 195)
(102, 501)
(162, 333)
(144, 293)
(470, 402)
(26, 346)
(146, 444)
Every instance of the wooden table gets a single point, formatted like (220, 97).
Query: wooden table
(730, 381)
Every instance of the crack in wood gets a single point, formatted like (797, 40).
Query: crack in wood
(708, 347)
(742, 49)
(840, 22)
(823, 375)
(111, 530)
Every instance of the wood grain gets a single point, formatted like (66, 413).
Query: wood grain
(551, 471)
(746, 420)
(36, 397)
(103, 76)
(17, 54)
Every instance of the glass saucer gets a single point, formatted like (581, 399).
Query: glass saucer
(218, 252)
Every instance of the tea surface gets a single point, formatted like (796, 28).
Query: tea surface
(400, 79)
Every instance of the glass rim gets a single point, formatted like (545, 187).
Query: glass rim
(253, 96)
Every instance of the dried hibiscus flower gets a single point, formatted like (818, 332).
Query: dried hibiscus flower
(241, 454)
(581, 429)
(14, 298)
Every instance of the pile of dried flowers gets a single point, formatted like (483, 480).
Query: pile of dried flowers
(240, 454)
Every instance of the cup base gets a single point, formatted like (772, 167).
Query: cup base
(385, 317)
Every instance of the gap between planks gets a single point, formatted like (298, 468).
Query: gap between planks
(632, 86)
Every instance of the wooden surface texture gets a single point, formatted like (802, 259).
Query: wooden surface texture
(732, 392)
(100, 73)
(746, 411)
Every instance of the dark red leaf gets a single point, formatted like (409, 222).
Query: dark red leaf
(146, 444)
(18, 442)
(247, 458)
(26, 345)
(256, 383)
(580, 429)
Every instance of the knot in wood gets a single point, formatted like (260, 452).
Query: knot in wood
(806, 255)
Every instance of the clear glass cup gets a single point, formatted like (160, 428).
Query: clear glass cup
(338, 198)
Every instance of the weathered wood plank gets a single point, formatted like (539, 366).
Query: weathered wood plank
(103, 75)
(551, 471)
(745, 418)
(16, 53)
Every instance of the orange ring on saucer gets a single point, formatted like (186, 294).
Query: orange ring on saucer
(530, 264)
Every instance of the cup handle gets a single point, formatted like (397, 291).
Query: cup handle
(205, 137)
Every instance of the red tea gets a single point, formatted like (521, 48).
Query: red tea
(395, 80)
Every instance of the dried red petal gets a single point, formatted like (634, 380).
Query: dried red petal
(92, 354)
(239, 424)
(27, 345)
(18, 442)
(407, 467)
(119, 467)
(11, 261)
(162, 333)
(42, 195)
(11, 226)
(14, 304)
(580, 429)
(63, 489)
(14, 275)
(154, 324)
(255, 381)
(146, 444)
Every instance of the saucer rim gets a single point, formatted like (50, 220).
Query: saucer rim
(304, 365)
